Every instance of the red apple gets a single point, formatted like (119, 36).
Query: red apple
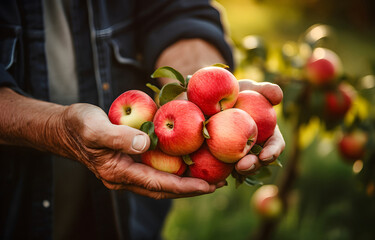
(207, 167)
(178, 125)
(266, 201)
(232, 133)
(323, 67)
(213, 89)
(261, 110)
(352, 145)
(338, 102)
(132, 108)
(164, 162)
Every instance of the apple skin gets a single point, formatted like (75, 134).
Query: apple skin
(179, 125)
(338, 102)
(213, 89)
(261, 110)
(266, 202)
(233, 132)
(205, 166)
(323, 67)
(132, 108)
(164, 162)
(352, 145)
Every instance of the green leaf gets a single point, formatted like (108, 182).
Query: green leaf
(263, 172)
(222, 65)
(168, 72)
(205, 131)
(169, 92)
(154, 88)
(252, 181)
(187, 160)
(276, 163)
(148, 127)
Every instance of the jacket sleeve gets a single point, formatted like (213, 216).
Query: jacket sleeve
(164, 22)
(10, 32)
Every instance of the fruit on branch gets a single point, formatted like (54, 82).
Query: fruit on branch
(231, 134)
(338, 102)
(266, 202)
(164, 162)
(323, 67)
(261, 110)
(207, 167)
(132, 108)
(352, 145)
(213, 89)
(178, 126)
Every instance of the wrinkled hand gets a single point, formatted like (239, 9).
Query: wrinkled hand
(105, 149)
(275, 145)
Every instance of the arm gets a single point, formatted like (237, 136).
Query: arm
(84, 133)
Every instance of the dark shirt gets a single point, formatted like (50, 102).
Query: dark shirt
(117, 44)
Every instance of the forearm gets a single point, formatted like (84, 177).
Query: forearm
(29, 122)
(189, 55)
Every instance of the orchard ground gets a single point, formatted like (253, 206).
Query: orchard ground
(327, 201)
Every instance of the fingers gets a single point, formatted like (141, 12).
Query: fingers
(248, 165)
(148, 181)
(271, 91)
(125, 139)
(273, 147)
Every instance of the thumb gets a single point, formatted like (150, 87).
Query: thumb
(126, 139)
(271, 91)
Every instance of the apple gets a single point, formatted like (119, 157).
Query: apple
(352, 145)
(205, 166)
(338, 102)
(213, 89)
(164, 162)
(323, 67)
(132, 108)
(178, 126)
(261, 110)
(232, 133)
(266, 201)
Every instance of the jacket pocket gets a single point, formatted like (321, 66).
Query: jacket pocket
(9, 36)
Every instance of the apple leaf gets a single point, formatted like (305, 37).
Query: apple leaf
(148, 127)
(276, 163)
(169, 92)
(169, 72)
(252, 181)
(206, 135)
(154, 88)
(187, 160)
(222, 65)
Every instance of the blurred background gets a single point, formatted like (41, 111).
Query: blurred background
(325, 188)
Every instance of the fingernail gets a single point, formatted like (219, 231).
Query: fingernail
(270, 159)
(139, 142)
(250, 168)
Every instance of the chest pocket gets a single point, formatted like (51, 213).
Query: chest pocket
(9, 36)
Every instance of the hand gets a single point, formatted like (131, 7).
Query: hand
(105, 149)
(275, 145)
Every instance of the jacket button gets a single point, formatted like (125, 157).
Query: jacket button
(105, 86)
(46, 204)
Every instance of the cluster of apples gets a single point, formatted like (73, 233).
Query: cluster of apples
(205, 135)
(322, 70)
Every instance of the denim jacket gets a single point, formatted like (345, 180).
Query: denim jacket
(117, 44)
